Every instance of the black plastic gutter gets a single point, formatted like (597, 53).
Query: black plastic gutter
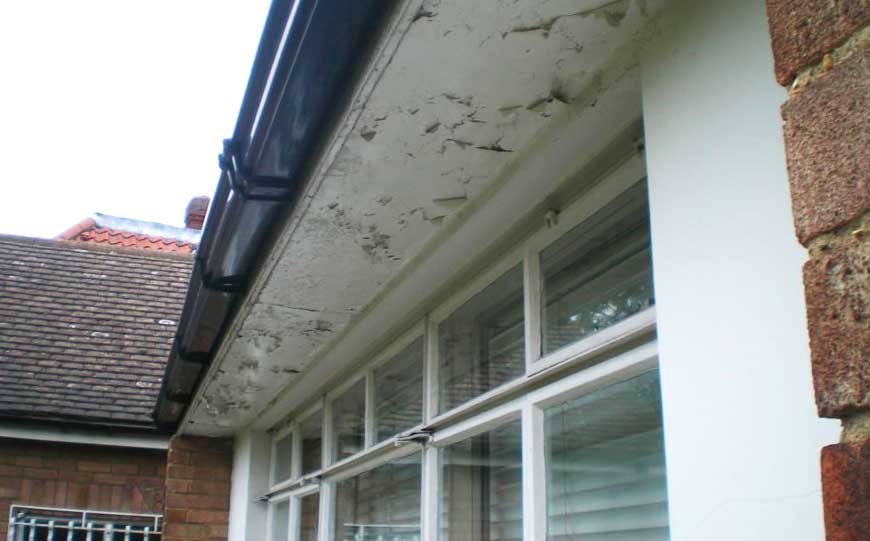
(309, 55)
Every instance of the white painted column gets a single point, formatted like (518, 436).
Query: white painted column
(250, 480)
(741, 432)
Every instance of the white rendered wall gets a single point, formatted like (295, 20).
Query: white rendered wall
(741, 432)
(250, 479)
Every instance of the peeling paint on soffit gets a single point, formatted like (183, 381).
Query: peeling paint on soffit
(468, 85)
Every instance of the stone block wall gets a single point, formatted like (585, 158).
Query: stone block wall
(79, 476)
(198, 489)
(821, 50)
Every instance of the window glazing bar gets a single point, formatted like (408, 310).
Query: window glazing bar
(534, 474)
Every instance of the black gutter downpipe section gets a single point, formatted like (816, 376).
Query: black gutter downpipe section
(308, 57)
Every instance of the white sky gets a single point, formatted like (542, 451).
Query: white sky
(117, 106)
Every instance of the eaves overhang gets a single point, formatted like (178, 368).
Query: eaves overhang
(463, 120)
(304, 65)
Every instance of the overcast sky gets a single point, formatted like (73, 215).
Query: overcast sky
(117, 106)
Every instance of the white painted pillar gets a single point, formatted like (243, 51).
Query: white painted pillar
(250, 480)
(741, 432)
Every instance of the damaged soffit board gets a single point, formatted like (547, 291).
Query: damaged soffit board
(457, 91)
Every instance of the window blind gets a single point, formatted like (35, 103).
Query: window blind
(481, 487)
(382, 504)
(605, 465)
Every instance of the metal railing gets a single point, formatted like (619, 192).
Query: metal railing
(29, 523)
(380, 532)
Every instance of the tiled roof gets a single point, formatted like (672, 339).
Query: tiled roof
(127, 233)
(85, 330)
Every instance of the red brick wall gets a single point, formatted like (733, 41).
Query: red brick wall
(198, 489)
(79, 476)
(822, 53)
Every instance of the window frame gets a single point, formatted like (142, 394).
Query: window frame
(320, 406)
(397, 346)
(615, 353)
(278, 435)
(270, 514)
(324, 403)
(612, 185)
(352, 470)
(331, 397)
(296, 496)
(454, 302)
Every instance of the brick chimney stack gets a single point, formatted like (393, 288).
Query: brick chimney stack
(194, 216)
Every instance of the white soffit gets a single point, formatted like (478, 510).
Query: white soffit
(460, 95)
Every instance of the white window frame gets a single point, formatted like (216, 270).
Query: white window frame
(530, 409)
(270, 514)
(417, 331)
(575, 369)
(324, 403)
(320, 406)
(295, 529)
(289, 430)
(503, 265)
(294, 514)
(331, 397)
(621, 179)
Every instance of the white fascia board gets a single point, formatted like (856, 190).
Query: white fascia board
(95, 437)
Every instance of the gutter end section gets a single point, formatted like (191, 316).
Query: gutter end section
(309, 55)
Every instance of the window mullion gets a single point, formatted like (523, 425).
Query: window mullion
(532, 304)
(369, 438)
(293, 518)
(296, 453)
(273, 460)
(328, 443)
(270, 512)
(326, 518)
(534, 474)
(429, 500)
(430, 376)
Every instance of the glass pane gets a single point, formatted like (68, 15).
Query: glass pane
(349, 421)
(606, 465)
(311, 432)
(481, 487)
(281, 460)
(310, 506)
(281, 521)
(382, 504)
(482, 344)
(599, 273)
(399, 392)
